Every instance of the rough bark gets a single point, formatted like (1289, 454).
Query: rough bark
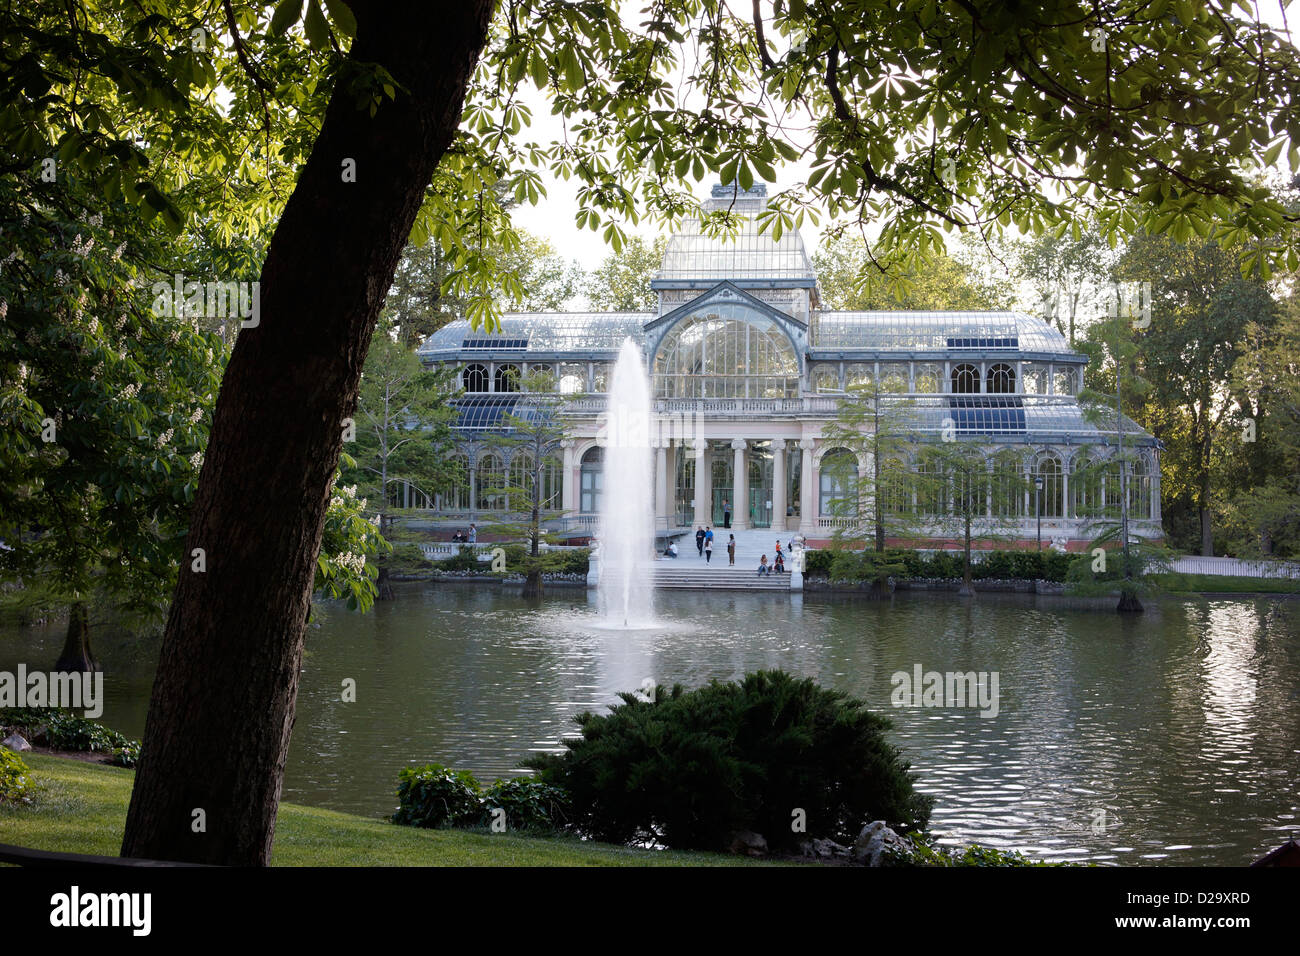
(223, 698)
(76, 655)
(1129, 603)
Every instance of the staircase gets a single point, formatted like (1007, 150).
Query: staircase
(698, 575)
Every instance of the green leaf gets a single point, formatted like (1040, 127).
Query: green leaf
(342, 16)
(286, 15)
(317, 30)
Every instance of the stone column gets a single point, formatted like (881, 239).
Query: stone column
(661, 483)
(568, 487)
(807, 491)
(778, 485)
(702, 477)
(739, 487)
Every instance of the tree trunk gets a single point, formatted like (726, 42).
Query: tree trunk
(967, 579)
(223, 699)
(1129, 603)
(76, 654)
(383, 585)
(1207, 532)
(533, 583)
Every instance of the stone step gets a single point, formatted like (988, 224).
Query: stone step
(706, 577)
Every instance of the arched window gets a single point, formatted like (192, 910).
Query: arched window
(685, 485)
(838, 477)
(1065, 382)
(1008, 498)
(507, 378)
(965, 379)
(600, 378)
(1139, 489)
(592, 480)
(1112, 488)
(1001, 379)
(1086, 487)
(860, 376)
(573, 379)
(475, 378)
(544, 375)
(726, 350)
(928, 376)
(893, 378)
(1033, 380)
(521, 482)
(1052, 498)
(523, 478)
(825, 379)
(491, 478)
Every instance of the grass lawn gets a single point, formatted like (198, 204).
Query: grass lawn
(1222, 584)
(80, 807)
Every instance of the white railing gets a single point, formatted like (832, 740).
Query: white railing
(1236, 567)
(808, 405)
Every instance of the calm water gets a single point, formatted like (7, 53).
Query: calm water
(1173, 737)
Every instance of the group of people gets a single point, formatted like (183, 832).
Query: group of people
(704, 537)
(466, 537)
(704, 545)
(778, 562)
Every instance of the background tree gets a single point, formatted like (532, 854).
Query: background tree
(1201, 308)
(403, 431)
(1067, 273)
(621, 283)
(850, 280)
(532, 430)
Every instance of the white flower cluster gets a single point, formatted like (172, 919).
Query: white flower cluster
(94, 326)
(4, 308)
(80, 248)
(196, 459)
(164, 438)
(121, 321)
(356, 563)
(173, 336)
(97, 220)
(117, 253)
(195, 416)
(131, 391)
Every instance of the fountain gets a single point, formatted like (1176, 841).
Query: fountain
(625, 590)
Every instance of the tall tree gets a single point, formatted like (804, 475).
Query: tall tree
(960, 115)
(1200, 310)
(1068, 273)
(621, 283)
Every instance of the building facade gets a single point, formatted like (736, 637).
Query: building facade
(749, 373)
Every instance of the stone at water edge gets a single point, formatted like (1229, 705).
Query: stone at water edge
(823, 849)
(748, 843)
(16, 742)
(874, 839)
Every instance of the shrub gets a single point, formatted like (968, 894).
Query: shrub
(924, 852)
(574, 561)
(529, 805)
(465, 559)
(61, 730)
(14, 776)
(691, 768)
(436, 796)
(408, 557)
(818, 563)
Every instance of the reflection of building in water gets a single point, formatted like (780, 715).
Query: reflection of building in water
(748, 370)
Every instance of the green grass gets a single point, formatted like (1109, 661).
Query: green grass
(1222, 584)
(80, 807)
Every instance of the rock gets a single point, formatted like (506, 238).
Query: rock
(16, 742)
(748, 843)
(819, 849)
(875, 838)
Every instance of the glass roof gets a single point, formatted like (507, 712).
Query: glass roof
(1027, 418)
(936, 331)
(541, 332)
(490, 412)
(746, 255)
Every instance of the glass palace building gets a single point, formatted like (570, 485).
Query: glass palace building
(748, 376)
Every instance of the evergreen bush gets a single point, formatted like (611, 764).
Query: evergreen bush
(692, 768)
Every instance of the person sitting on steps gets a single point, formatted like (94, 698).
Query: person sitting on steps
(762, 566)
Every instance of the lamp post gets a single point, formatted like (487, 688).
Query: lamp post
(1038, 508)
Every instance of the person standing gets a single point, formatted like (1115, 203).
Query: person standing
(726, 514)
(699, 540)
(708, 536)
(731, 549)
(708, 550)
(473, 533)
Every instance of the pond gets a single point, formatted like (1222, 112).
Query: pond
(1170, 737)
